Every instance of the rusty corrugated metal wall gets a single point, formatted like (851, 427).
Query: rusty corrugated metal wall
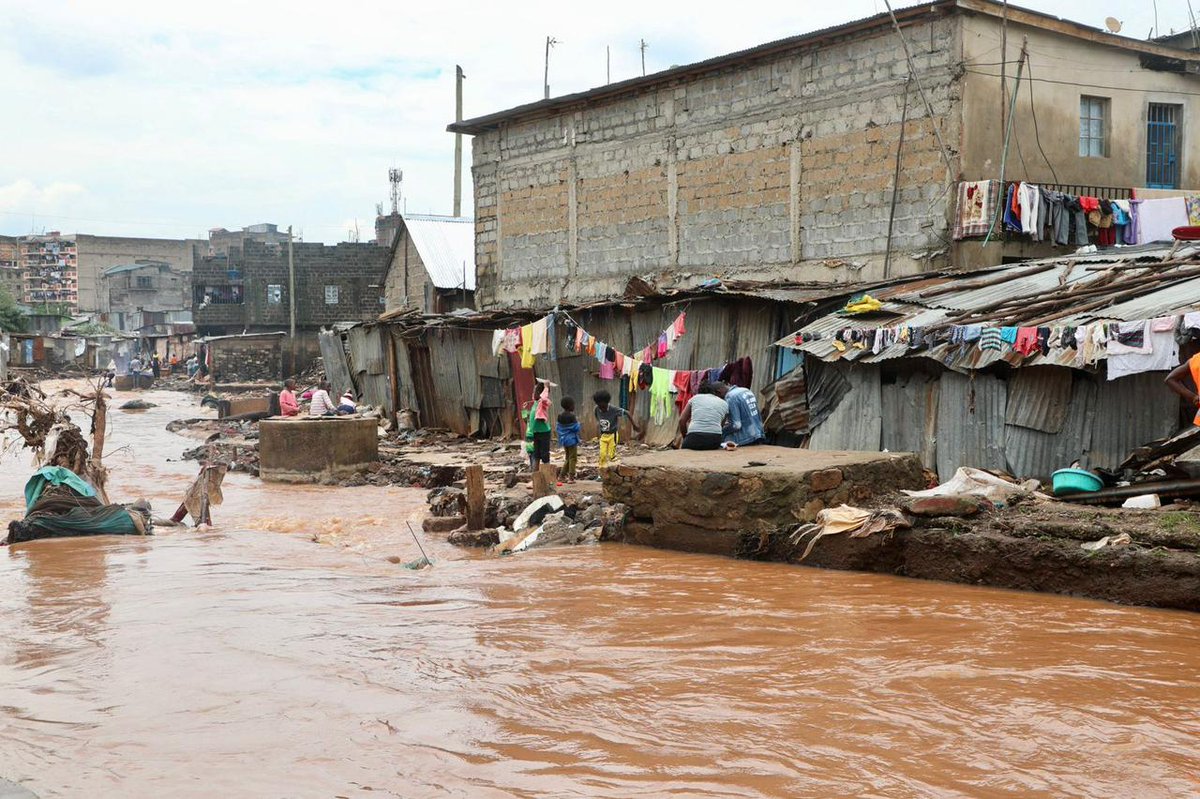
(465, 381)
(368, 366)
(995, 421)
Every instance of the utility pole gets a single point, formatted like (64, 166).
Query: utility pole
(1003, 71)
(550, 42)
(643, 47)
(458, 79)
(607, 64)
(291, 299)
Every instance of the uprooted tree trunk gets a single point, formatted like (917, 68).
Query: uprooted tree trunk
(49, 431)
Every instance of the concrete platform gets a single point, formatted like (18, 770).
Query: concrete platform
(705, 501)
(310, 450)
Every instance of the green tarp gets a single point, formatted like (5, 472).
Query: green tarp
(54, 475)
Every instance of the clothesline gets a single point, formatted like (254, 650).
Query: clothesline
(1043, 214)
(541, 337)
(1143, 345)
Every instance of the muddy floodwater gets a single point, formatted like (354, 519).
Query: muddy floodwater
(254, 661)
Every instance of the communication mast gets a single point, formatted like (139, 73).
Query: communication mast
(395, 177)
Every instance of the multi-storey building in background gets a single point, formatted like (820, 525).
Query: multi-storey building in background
(11, 270)
(51, 272)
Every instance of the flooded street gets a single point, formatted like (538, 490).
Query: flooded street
(253, 661)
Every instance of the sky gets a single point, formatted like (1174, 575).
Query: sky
(166, 119)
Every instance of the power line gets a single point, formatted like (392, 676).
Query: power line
(1033, 112)
(1157, 90)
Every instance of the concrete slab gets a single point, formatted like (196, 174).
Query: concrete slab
(310, 450)
(707, 501)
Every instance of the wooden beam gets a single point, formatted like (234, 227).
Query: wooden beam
(476, 498)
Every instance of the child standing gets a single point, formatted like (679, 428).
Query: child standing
(541, 423)
(608, 420)
(568, 438)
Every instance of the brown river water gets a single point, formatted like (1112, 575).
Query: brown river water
(251, 661)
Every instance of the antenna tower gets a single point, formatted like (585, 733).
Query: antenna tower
(395, 177)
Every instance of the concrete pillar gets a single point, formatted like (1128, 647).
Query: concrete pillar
(794, 177)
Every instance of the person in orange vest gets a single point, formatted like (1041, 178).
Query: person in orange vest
(1174, 381)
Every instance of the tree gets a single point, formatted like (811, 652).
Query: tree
(11, 318)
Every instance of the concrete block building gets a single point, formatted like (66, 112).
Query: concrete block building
(781, 161)
(432, 265)
(247, 290)
(145, 290)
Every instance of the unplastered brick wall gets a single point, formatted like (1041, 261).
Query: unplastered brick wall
(247, 359)
(780, 167)
(338, 283)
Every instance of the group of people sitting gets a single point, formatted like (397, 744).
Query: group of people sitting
(720, 416)
(319, 401)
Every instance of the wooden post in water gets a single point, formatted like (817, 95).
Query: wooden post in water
(544, 480)
(476, 499)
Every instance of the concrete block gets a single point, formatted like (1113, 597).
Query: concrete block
(310, 450)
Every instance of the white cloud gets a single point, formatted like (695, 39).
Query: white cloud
(21, 201)
(178, 120)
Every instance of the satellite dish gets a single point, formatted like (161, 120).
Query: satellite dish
(1113, 24)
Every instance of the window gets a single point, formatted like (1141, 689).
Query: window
(1093, 127)
(331, 295)
(145, 282)
(274, 294)
(1163, 145)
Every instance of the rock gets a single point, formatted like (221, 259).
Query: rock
(950, 505)
(442, 524)
(447, 501)
(138, 405)
(474, 538)
(825, 480)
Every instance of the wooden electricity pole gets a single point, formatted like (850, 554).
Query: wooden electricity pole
(458, 79)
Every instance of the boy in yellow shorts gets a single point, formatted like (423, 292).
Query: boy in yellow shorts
(608, 420)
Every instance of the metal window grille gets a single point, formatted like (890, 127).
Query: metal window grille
(1162, 146)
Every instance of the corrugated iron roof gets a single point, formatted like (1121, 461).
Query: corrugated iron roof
(447, 248)
(943, 300)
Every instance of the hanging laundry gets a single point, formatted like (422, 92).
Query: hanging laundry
(1157, 218)
(538, 331)
(591, 345)
(497, 342)
(579, 334)
(976, 206)
(619, 361)
(512, 339)
(1079, 234)
(607, 372)
(678, 324)
(660, 394)
(1008, 335)
(550, 337)
(1030, 198)
(1191, 321)
(527, 358)
(601, 348)
(1159, 350)
(683, 389)
(1026, 343)
(662, 346)
(989, 339)
(1043, 340)
(1012, 211)
(645, 376)
(610, 354)
(739, 372)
